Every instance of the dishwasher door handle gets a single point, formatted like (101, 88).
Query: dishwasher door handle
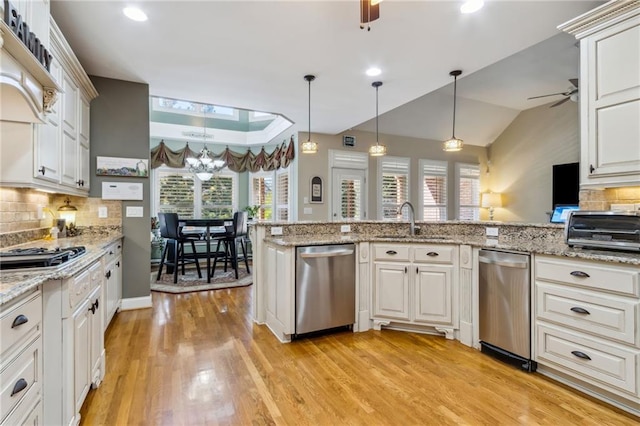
(327, 254)
(507, 264)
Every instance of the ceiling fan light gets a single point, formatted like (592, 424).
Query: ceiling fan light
(452, 145)
(309, 147)
(377, 150)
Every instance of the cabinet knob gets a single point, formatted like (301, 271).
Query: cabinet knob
(110, 252)
(20, 385)
(41, 170)
(93, 309)
(579, 274)
(97, 304)
(591, 168)
(80, 182)
(581, 355)
(118, 264)
(108, 274)
(405, 269)
(19, 320)
(579, 310)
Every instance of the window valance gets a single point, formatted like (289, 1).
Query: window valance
(281, 157)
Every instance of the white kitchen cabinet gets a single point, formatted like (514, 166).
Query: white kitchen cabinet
(609, 94)
(21, 359)
(415, 284)
(74, 339)
(279, 269)
(112, 290)
(587, 326)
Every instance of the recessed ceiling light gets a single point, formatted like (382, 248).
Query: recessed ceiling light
(134, 14)
(471, 6)
(373, 71)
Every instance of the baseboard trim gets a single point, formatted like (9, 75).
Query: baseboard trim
(135, 303)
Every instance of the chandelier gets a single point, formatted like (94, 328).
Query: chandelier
(203, 166)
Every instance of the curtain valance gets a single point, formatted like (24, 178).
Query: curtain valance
(235, 161)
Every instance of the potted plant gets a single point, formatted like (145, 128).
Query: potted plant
(157, 242)
(252, 211)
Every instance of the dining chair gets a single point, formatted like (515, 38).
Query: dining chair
(170, 231)
(234, 234)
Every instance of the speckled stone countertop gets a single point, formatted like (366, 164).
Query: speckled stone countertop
(14, 284)
(529, 238)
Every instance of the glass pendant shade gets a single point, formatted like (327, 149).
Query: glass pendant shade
(377, 150)
(454, 144)
(309, 147)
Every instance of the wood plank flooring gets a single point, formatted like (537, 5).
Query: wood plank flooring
(198, 359)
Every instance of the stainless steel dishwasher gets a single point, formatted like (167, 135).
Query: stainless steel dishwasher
(325, 287)
(505, 306)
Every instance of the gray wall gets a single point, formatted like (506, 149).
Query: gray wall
(522, 158)
(120, 128)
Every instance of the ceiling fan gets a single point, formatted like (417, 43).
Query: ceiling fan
(570, 94)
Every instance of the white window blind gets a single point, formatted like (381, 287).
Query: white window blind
(433, 191)
(218, 197)
(348, 160)
(393, 186)
(176, 193)
(468, 191)
(351, 191)
(262, 194)
(282, 194)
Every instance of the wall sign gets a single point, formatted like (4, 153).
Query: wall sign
(316, 189)
(21, 29)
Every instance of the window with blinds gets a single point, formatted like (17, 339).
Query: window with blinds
(282, 194)
(351, 193)
(433, 189)
(262, 194)
(393, 187)
(468, 176)
(179, 191)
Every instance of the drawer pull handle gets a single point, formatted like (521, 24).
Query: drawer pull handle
(579, 310)
(580, 274)
(433, 254)
(20, 319)
(97, 304)
(118, 264)
(110, 252)
(581, 355)
(93, 309)
(20, 385)
(391, 252)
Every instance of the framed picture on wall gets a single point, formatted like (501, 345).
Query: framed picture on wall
(316, 189)
(126, 167)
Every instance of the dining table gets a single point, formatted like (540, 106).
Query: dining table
(210, 226)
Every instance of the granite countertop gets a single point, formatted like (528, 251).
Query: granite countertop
(528, 245)
(16, 283)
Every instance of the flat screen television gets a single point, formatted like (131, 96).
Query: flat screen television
(561, 212)
(566, 184)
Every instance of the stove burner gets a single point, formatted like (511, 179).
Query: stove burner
(37, 257)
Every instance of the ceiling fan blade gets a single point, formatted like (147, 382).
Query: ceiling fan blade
(574, 81)
(559, 102)
(551, 94)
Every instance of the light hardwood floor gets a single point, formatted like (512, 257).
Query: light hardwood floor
(198, 359)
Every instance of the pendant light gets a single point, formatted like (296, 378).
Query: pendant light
(377, 150)
(309, 147)
(454, 144)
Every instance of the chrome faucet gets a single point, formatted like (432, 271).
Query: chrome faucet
(412, 217)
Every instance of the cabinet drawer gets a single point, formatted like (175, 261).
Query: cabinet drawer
(79, 288)
(589, 359)
(391, 252)
(606, 316)
(19, 322)
(113, 251)
(614, 279)
(96, 275)
(434, 254)
(20, 378)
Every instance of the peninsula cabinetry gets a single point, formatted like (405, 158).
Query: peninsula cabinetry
(279, 269)
(415, 285)
(609, 93)
(21, 360)
(587, 326)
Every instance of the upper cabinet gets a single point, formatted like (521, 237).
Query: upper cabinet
(609, 93)
(53, 154)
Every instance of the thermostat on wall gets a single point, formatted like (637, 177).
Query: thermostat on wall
(349, 141)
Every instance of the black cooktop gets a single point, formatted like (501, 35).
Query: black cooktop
(38, 257)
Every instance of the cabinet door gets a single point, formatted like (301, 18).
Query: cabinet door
(84, 158)
(81, 350)
(391, 291)
(96, 335)
(612, 103)
(113, 282)
(433, 294)
(48, 138)
(69, 131)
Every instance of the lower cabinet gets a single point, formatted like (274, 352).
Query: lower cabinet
(280, 292)
(112, 290)
(74, 340)
(415, 285)
(587, 327)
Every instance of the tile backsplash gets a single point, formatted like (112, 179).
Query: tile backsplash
(28, 214)
(593, 199)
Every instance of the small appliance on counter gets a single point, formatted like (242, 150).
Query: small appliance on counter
(613, 230)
